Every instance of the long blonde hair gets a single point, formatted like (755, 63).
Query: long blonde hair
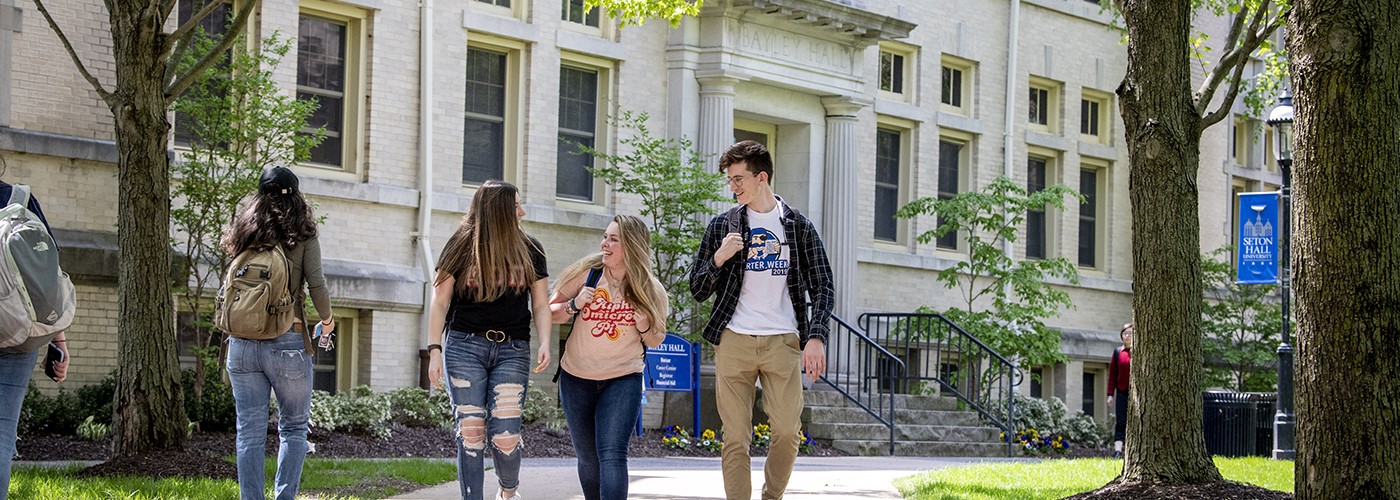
(640, 287)
(489, 254)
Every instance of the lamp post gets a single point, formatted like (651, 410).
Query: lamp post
(1284, 422)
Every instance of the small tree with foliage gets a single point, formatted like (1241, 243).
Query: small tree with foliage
(629, 12)
(676, 191)
(1239, 323)
(239, 122)
(1019, 296)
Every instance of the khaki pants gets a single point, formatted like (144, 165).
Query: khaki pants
(776, 362)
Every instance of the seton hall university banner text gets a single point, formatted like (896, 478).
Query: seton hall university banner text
(1258, 243)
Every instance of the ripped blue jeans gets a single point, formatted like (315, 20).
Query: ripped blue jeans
(257, 368)
(487, 382)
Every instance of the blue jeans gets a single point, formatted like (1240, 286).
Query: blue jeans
(15, 370)
(476, 367)
(601, 415)
(255, 368)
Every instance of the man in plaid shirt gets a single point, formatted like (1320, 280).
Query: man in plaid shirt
(764, 260)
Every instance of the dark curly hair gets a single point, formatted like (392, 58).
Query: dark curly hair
(270, 220)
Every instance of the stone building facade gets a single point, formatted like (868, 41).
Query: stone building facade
(866, 104)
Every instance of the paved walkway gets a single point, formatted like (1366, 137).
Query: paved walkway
(699, 478)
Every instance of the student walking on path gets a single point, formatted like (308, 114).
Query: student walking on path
(492, 285)
(764, 262)
(277, 217)
(616, 306)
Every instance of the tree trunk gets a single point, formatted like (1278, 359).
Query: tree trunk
(149, 411)
(1164, 443)
(1347, 218)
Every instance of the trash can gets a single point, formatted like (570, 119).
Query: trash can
(1230, 422)
(1265, 406)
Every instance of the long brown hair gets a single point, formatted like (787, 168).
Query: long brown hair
(489, 254)
(640, 287)
(270, 220)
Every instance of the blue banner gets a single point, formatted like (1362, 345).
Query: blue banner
(1258, 244)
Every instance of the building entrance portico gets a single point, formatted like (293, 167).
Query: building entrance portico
(796, 70)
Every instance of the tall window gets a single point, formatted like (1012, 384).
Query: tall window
(1239, 141)
(578, 125)
(952, 86)
(891, 72)
(498, 3)
(321, 76)
(1088, 217)
(484, 141)
(1037, 382)
(1039, 106)
(1088, 392)
(1035, 218)
(887, 166)
(949, 172)
(215, 25)
(574, 12)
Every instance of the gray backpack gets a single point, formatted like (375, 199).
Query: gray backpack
(37, 298)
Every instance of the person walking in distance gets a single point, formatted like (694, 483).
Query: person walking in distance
(277, 216)
(1118, 387)
(616, 305)
(765, 264)
(492, 284)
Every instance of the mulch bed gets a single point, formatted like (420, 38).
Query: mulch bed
(1223, 490)
(165, 463)
(406, 442)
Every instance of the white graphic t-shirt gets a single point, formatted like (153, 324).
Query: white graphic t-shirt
(765, 308)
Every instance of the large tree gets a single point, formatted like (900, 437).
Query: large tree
(149, 411)
(1347, 217)
(1164, 118)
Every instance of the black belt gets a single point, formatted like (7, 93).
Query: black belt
(496, 336)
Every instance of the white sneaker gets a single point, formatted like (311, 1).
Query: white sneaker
(501, 495)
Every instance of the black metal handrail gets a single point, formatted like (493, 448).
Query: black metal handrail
(850, 361)
(938, 352)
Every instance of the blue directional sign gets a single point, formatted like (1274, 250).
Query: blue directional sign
(1259, 238)
(668, 366)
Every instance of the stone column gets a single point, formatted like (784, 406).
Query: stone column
(840, 199)
(716, 116)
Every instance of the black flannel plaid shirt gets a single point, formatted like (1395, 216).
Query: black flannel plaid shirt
(809, 273)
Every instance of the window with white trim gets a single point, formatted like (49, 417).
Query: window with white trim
(330, 41)
(1093, 178)
(1095, 116)
(215, 25)
(1037, 224)
(487, 112)
(583, 90)
(953, 154)
(897, 71)
(891, 164)
(574, 12)
(1043, 104)
(955, 93)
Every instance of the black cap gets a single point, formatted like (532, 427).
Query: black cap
(277, 180)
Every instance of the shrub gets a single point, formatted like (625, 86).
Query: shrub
(93, 431)
(417, 407)
(1047, 419)
(40, 413)
(540, 406)
(358, 411)
(214, 410)
(96, 399)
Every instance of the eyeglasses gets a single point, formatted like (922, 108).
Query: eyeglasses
(737, 180)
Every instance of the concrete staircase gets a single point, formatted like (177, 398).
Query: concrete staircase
(927, 426)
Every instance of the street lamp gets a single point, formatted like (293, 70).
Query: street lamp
(1284, 422)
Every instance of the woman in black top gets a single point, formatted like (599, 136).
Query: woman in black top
(492, 283)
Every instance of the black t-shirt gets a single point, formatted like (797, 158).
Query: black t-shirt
(509, 313)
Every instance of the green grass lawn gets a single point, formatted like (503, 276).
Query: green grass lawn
(326, 479)
(1052, 479)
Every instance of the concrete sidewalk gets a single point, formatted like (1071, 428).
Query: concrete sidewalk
(699, 478)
